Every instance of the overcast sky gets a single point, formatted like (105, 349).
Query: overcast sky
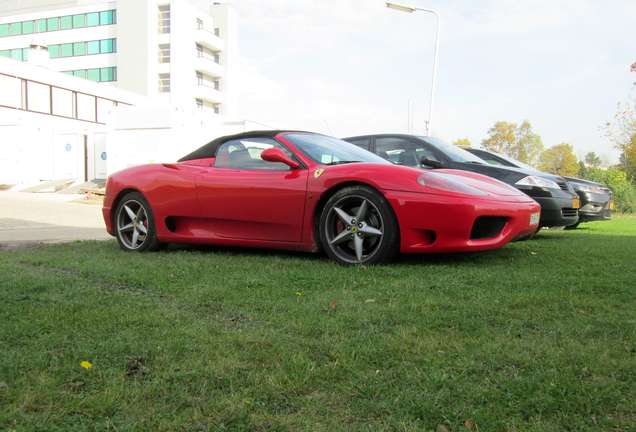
(347, 67)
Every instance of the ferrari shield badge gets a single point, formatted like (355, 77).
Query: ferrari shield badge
(318, 172)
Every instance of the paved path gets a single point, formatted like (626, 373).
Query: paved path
(27, 218)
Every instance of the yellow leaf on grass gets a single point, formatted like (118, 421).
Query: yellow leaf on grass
(86, 364)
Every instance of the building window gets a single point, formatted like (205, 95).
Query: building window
(92, 19)
(66, 22)
(217, 109)
(200, 104)
(107, 17)
(164, 53)
(164, 19)
(105, 74)
(92, 47)
(203, 52)
(52, 24)
(199, 24)
(15, 29)
(79, 21)
(164, 83)
(204, 80)
(28, 27)
(217, 32)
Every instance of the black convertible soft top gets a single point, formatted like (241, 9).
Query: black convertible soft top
(209, 150)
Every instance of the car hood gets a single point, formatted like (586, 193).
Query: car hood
(487, 185)
(508, 174)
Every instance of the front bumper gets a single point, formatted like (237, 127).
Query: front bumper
(441, 224)
(594, 206)
(557, 206)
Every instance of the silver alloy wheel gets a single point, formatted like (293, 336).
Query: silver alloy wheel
(354, 229)
(132, 224)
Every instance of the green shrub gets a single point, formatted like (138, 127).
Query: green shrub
(615, 179)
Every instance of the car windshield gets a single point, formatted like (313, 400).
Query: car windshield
(453, 152)
(331, 151)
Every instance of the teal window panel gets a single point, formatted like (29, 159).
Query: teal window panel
(79, 21)
(16, 54)
(80, 73)
(41, 25)
(4, 30)
(54, 51)
(52, 24)
(25, 54)
(15, 29)
(107, 17)
(5, 53)
(69, 72)
(28, 27)
(93, 74)
(66, 22)
(92, 47)
(107, 74)
(79, 48)
(66, 50)
(107, 46)
(92, 19)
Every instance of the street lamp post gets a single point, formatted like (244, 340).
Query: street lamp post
(411, 9)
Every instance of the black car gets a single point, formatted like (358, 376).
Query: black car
(559, 203)
(596, 199)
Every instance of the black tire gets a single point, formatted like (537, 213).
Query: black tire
(342, 241)
(573, 227)
(144, 242)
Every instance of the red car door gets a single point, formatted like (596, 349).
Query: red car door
(244, 197)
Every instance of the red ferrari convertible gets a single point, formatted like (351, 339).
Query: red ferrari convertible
(310, 192)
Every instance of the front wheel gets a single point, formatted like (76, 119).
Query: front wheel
(357, 226)
(135, 224)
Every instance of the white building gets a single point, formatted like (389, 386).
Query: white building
(94, 86)
(179, 50)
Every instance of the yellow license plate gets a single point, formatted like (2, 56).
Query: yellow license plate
(576, 203)
(611, 205)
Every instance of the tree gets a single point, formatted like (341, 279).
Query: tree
(516, 141)
(628, 159)
(559, 159)
(592, 160)
(462, 142)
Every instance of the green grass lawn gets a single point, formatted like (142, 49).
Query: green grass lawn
(539, 336)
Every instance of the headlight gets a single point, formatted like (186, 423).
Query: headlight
(447, 183)
(586, 188)
(537, 181)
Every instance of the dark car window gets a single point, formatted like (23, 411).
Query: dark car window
(246, 154)
(452, 151)
(364, 143)
(491, 158)
(403, 151)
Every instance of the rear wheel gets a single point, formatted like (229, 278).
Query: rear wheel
(135, 224)
(357, 226)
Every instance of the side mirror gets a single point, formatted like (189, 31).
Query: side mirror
(275, 154)
(435, 164)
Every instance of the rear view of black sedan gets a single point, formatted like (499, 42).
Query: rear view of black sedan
(559, 203)
(596, 199)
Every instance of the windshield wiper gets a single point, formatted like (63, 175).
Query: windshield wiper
(475, 162)
(342, 162)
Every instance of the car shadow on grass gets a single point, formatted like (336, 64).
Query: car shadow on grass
(401, 259)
